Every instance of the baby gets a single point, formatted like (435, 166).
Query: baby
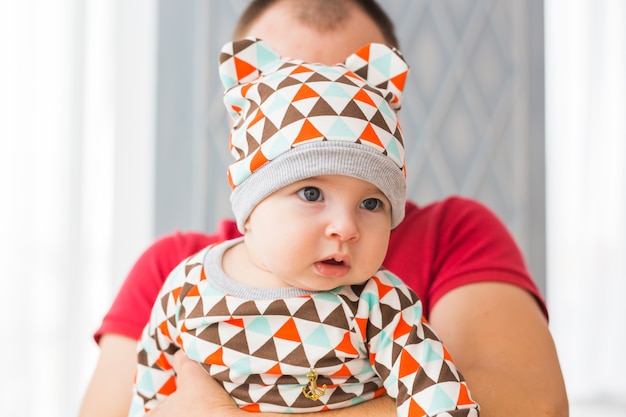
(298, 315)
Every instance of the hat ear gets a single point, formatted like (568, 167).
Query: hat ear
(245, 60)
(382, 67)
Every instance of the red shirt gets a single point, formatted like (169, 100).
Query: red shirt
(435, 249)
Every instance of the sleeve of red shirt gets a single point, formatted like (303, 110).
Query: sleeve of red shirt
(454, 242)
(131, 308)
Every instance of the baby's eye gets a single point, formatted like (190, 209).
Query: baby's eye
(371, 204)
(310, 193)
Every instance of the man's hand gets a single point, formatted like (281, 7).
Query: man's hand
(197, 394)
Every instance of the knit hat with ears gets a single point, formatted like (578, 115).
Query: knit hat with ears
(294, 120)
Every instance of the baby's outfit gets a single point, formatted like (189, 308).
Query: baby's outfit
(273, 349)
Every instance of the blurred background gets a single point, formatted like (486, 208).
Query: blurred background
(112, 132)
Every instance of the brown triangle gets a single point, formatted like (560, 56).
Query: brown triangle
(337, 318)
(287, 82)
(308, 311)
(322, 108)
(379, 121)
(247, 308)
(297, 357)
(446, 374)
(253, 143)
(277, 308)
(210, 334)
(267, 351)
(238, 343)
(265, 91)
(269, 130)
(353, 110)
(219, 309)
(273, 397)
(362, 72)
(345, 80)
(291, 115)
(316, 76)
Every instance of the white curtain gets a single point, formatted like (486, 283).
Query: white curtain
(586, 195)
(75, 185)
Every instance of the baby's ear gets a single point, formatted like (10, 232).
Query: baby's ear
(245, 60)
(382, 67)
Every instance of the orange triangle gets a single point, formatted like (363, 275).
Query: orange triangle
(244, 92)
(193, 291)
(169, 387)
(344, 371)
(202, 274)
(275, 370)
(369, 134)
(258, 116)
(464, 398)
(176, 293)
(402, 329)
(258, 160)
(307, 132)
(253, 408)
(305, 92)
(215, 358)
(243, 68)
(399, 80)
(238, 322)
(362, 323)
(361, 95)
(408, 364)
(382, 288)
(364, 53)
(230, 180)
(300, 69)
(164, 329)
(346, 345)
(163, 362)
(446, 355)
(289, 331)
(415, 409)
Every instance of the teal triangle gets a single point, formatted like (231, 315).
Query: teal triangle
(383, 64)
(275, 103)
(384, 340)
(260, 325)
(318, 338)
(335, 90)
(329, 295)
(265, 56)
(145, 382)
(228, 81)
(211, 291)
(429, 354)
(191, 349)
(340, 129)
(387, 110)
(278, 145)
(242, 366)
(392, 149)
(440, 401)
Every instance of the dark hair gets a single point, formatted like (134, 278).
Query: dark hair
(321, 14)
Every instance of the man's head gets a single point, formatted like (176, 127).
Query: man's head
(295, 120)
(324, 31)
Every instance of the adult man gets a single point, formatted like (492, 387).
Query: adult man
(481, 300)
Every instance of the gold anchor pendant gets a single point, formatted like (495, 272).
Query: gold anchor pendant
(314, 393)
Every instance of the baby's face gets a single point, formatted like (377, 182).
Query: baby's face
(319, 233)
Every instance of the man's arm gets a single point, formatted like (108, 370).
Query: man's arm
(109, 391)
(499, 340)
